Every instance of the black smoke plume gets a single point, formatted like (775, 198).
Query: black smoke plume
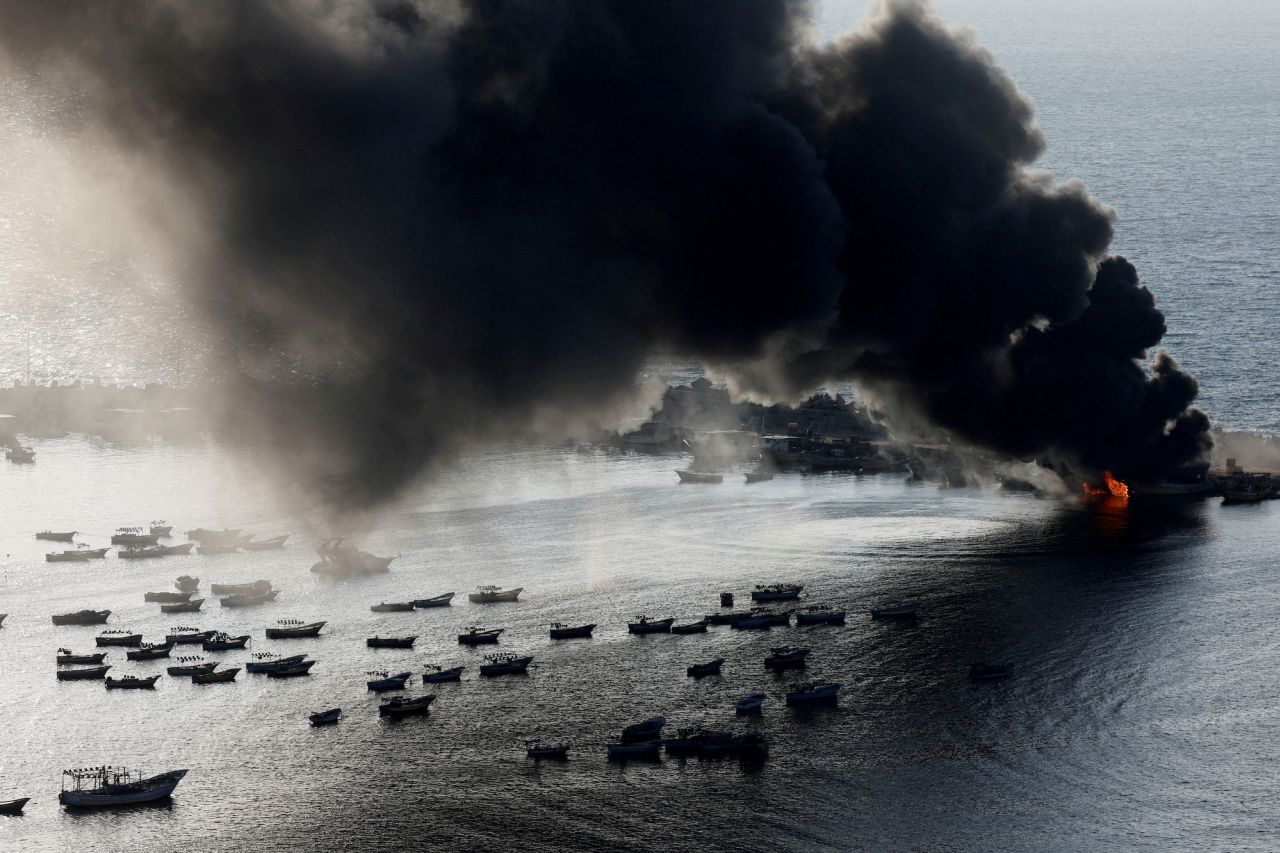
(437, 218)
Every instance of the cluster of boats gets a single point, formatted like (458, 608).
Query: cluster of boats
(143, 543)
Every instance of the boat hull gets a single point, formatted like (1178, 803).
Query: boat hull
(454, 674)
(572, 633)
(662, 626)
(302, 632)
(14, 806)
(84, 617)
(118, 640)
(96, 673)
(495, 597)
(192, 606)
(158, 788)
(225, 645)
(391, 642)
(438, 601)
(478, 639)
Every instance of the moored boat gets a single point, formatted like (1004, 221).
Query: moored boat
(192, 665)
(167, 597)
(561, 631)
(493, 595)
(80, 555)
(820, 691)
(820, 616)
(192, 606)
(750, 704)
(295, 671)
(14, 806)
(505, 664)
(217, 548)
(66, 656)
(114, 786)
(221, 677)
(638, 749)
(131, 682)
(117, 638)
(906, 610)
(291, 629)
(160, 530)
(186, 583)
(187, 636)
(52, 536)
(645, 625)
(249, 600)
(479, 636)
(699, 627)
(86, 674)
(265, 662)
(391, 642)
(325, 718)
(221, 642)
(82, 617)
(402, 706)
(205, 536)
(698, 670)
(442, 600)
(392, 607)
(786, 657)
(152, 552)
(132, 536)
(777, 592)
(644, 730)
(150, 652)
(699, 477)
(437, 675)
(258, 587)
(383, 682)
(272, 544)
(751, 622)
(546, 751)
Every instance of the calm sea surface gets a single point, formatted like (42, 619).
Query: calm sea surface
(1144, 714)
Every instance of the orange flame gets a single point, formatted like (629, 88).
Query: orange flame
(1111, 487)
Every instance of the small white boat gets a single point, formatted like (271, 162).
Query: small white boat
(750, 704)
(493, 594)
(115, 786)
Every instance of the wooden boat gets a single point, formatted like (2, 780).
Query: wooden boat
(292, 629)
(821, 691)
(215, 549)
(258, 587)
(699, 627)
(82, 617)
(385, 682)
(220, 677)
(148, 652)
(272, 544)
(645, 625)
(478, 636)
(133, 536)
(155, 552)
(639, 749)
(505, 664)
(777, 592)
(65, 657)
(698, 670)
(751, 622)
(264, 662)
(51, 536)
(192, 666)
(80, 555)
(113, 786)
(820, 616)
(493, 595)
(786, 657)
(186, 583)
(295, 671)
(90, 673)
(249, 600)
(561, 631)
(775, 617)
(325, 718)
(536, 749)
(13, 806)
(906, 610)
(722, 618)
(192, 606)
(187, 636)
(989, 672)
(20, 455)
(203, 535)
(402, 706)
(224, 642)
(686, 741)
(130, 682)
(749, 704)
(437, 601)
(644, 730)
(117, 638)
(160, 530)
(392, 607)
(758, 476)
(699, 477)
(167, 597)
(436, 675)
(391, 642)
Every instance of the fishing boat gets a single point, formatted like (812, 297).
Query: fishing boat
(258, 587)
(203, 535)
(645, 625)
(536, 749)
(699, 627)
(150, 652)
(989, 672)
(192, 606)
(82, 617)
(639, 749)
(758, 476)
(723, 618)
(221, 677)
(155, 551)
(82, 554)
(684, 743)
(217, 548)
(117, 638)
(437, 601)
(777, 592)
(479, 636)
(264, 662)
(87, 674)
(391, 642)
(115, 786)
(505, 664)
(437, 675)
(132, 536)
(820, 691)
(338, 559)
(820, 616)
(132, 682)
(295, 671)
(273, 544)
(699, 477)
(181, 636)
(716, 744)
(786, 657)
(292, 629)
(66, 656)
(186, 583)
(644, 730)
(698, 670)
(751, 622)
(561, 631)
(14, 806)
(392, 607)
(192, 665)
(402, 706)
(383, 682)
(221, 642)
(160, 530)
(750, 704)
(249, 600)
(493, 595)
(51, 536)
(325, 718)
(167, 597)
(906, 610)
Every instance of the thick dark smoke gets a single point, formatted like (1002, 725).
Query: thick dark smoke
(441, 218)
